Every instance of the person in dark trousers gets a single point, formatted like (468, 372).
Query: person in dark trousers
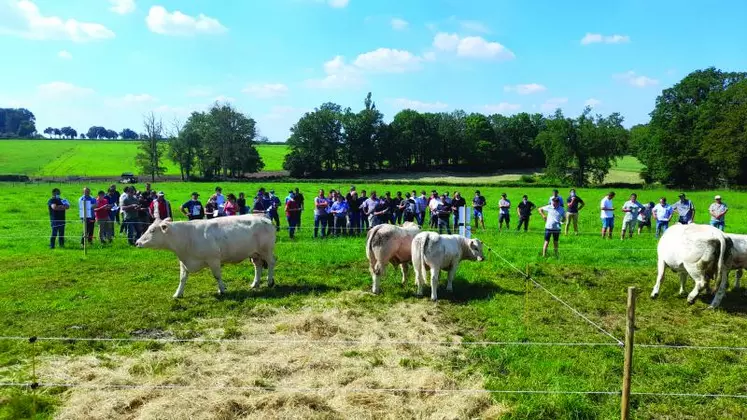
(113, 196)
(354, 214)
(339, 211)
(193, 208)
(410, 208)
(390, 209)
(443, 214)
(299, 199)
(320, 214)
(365, 224)
(433, 219)
(382, 212)
(130, 214)
(524, 209)
(86, 205)
(398, 208)
(504, 212)
(211, 208)
(273, 209)
(292, 214)
(57, 208)
(241, 203)
(478, 203)
(143, 212)
(457, 203)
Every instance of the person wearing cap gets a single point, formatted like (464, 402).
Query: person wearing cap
(553, 222)
(193, 208)
(632, 208)
(717, 210)
(574, 204)
(555, 194)
(607, 215)
(504, 212)
(160, 209)
(478, 203)
(663, 214)
(524, 210)
(685, 209)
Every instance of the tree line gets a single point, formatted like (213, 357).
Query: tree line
(330, 140)
(217, 143)
(17, 123)
(697, 136)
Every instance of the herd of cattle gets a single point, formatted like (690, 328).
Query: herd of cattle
(700, 251)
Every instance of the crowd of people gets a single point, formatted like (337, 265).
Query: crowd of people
(351, 214)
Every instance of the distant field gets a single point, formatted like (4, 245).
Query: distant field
(92, 158)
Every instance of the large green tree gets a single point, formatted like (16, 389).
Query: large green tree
(316, 142)
(151, 152)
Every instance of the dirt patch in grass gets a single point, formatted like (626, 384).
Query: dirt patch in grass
(298, 379)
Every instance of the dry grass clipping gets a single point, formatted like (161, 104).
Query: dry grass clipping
(344, 371)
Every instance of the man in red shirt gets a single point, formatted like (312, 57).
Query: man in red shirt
(102, 210)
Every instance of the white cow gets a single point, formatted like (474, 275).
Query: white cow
(701, 251)
(738, 255)
(441, 252)
(210, 243)
(389, 244)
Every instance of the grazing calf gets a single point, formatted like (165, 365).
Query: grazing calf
(210, 243)
(441, 252)
(701, 251)
(389, 244)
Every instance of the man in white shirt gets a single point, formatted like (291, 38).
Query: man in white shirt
(608, 215)
(504, 212)
(553, 222)
(86, 204)
(662, 213)
(717, 210)
(631, 208)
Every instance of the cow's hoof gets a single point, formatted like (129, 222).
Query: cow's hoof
(271, 284)
(434, 300)
(690, 302)
(711, 307)
(177, 296)
(254, 285)
(376, 291)
(654, 295)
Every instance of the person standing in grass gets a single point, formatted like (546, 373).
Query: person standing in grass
(644, 217)
(608, 215)
(86, 205)
(193, 208)
(632, 208)
(662, 213)
(398, 208)
(478, 203)
(359, 206)
(685, 209)
(504, 210)
(211, 207)
(554, 195)
(144, 200)
(339, 211)
(457, 203)
(443, 212)
(410, 212)
(160, 208)
(553, 215)
(574, 205)
(220, 200)
(241, 203)
(299, 199)
(524, 210)
(292, 214)
(718, 210)
(130, 206)
(57, 208)
(112, 197)
(422, 202)
(102, 210)
(368, 207)
(320, 214)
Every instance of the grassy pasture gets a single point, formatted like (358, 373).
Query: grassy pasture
(60, 158)
(322, 293)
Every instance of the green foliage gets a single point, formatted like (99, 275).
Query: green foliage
(17, 122)
(582, 150)
(151, 150)
(697, 131)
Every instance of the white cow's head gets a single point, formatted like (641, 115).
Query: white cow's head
(156, 236)
(475, 249)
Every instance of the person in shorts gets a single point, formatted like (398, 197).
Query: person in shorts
(574, 204)
(608, 215)
(553, 214)
(717, 210)
(644, 217)
(504, 212)
(478, 203)
(632, 208)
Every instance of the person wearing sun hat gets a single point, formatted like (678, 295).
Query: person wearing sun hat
(717, 210)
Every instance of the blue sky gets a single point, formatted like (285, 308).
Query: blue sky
(107, 62)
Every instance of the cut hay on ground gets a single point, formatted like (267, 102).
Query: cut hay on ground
(286, 369)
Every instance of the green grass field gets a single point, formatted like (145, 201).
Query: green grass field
(322, 293)
(61, 158)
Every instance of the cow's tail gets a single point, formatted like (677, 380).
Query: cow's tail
(369, 249)
(424, 252)
(721, 256)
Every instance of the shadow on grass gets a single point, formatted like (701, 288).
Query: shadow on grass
(278, 291)
(466, 292)
(735, 302)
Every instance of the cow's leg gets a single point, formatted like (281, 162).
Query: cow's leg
(404, 268)
(661, 268)
(700, 283)
(452, 273)
(215, 268)
(419, 278)
(378, 270)
(738, 280)
(183, 274)
(721, 289)
(435, 271)
(258, 263)
(271, 270)
(683, 279)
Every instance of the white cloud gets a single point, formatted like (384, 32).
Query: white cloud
(471, 47)
(399, 24)
(386, 60)
(429, 56)
(591, 38)
(161, 21)
(130, 100)
(635, 80)
(404, 103)
(23, 18)
(502, 108)
(65, 55)
(338, 3)
(122, 7)
(592, 102)
(526, 89)
(552, 104)
(266, 91)
(339, 75)
(474, 26)
(62, 90)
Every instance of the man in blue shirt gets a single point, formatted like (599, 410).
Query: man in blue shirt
(193, 208)
(339, 211)
(57, 207)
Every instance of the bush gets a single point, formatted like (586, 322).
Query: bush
(528, 179)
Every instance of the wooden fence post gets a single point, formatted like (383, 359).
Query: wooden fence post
(628, 364)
